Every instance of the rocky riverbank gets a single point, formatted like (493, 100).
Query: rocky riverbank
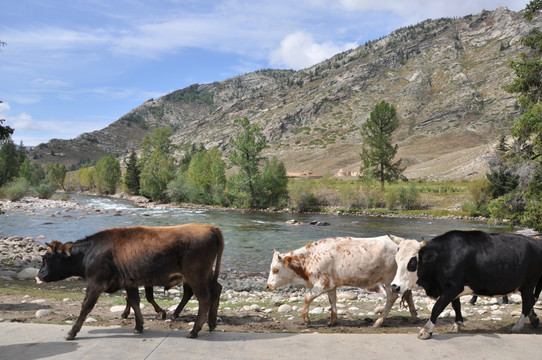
(246, 305)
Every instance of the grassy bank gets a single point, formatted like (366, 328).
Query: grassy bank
(406, 198)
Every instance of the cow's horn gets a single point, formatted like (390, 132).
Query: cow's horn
(395, 239)
(423, 243)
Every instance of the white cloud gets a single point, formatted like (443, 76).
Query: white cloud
(299, 50)
(414, 11)
(22, 121)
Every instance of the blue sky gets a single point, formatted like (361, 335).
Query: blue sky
(74, 66)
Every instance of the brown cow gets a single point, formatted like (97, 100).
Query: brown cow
(126, 258)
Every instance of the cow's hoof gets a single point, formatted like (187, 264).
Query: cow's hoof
(192, 335)
(124, 316)
(378, 323)
(174, 316)
(162, 315)
(456, 327)
(516, 329)
(70, 336)
(138, 331)
(534, 322)
(424, 335)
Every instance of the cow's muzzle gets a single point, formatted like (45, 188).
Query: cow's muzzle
(270, 287)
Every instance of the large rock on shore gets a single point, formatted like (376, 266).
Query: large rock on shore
(20, 257)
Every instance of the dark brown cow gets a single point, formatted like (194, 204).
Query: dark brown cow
(126, 258)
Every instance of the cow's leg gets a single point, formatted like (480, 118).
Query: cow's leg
(126, 311)
(203, 294)
(91, 297)
(527, 303)
(149, 295)
(391, 297)
(407, 297)
(458, 324)
(533, 319)
(132, 297)
(187, 294)
(332, 296)
(427, 331)
(313, 293)
(215, 301)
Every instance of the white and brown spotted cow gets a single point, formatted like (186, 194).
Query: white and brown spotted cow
(324, 265)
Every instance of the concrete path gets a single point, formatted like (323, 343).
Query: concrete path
(33, 341)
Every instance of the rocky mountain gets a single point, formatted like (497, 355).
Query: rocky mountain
(444, 77)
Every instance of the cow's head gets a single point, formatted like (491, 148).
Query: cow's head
(285, 269)
(55, 263)
(407, 259)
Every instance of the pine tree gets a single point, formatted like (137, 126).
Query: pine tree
(378, 152)
(131, 177)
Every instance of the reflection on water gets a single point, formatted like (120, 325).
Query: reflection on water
(250, 237)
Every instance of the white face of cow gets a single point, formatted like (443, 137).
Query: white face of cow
(279, 273)
(407, 265)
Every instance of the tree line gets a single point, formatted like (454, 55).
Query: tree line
(511, 190)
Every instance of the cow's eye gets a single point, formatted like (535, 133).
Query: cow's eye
(275, 271)
(412, 264)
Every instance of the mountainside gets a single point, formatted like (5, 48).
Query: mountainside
(444, 77)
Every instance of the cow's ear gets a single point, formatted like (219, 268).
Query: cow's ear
(66, 249)
(49, 246)
(429, 256)
(287, 261)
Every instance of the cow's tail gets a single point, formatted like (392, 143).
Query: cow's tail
(220, 250)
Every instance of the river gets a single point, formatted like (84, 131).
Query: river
(250, 236)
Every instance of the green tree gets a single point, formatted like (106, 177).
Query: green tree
(86, 177)
(107, 174)
(157, 164)
(246, 154)
(32, 172)
(207, 170)
(522, 203)
(378, 152)
(204, 180)
(56, 174)
(273, 187)
(9, 161)
(132, 174)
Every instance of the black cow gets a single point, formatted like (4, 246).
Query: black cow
(126, 258)
(471, 262)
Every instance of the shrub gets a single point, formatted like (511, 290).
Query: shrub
(45, 190)
(301, 195)
(16, 189)
(480, 191)
(392, 198)
(409, 199)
